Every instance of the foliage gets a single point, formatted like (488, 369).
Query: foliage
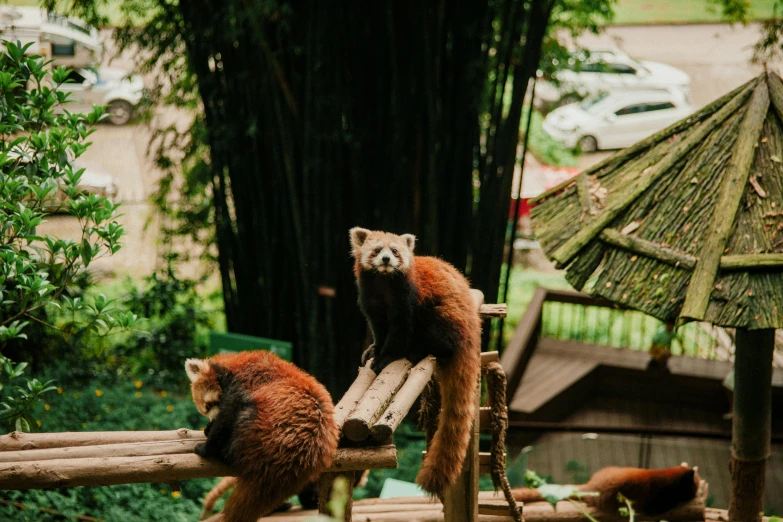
(545, 148)
(114, 404)
(37, 146)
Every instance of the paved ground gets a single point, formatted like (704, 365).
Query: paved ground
(716, 56)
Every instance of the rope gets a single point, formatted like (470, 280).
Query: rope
(496, 400)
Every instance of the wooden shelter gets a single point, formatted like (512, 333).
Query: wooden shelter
(688, 225)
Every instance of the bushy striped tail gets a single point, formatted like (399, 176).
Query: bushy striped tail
(446, 454)
(214, 495)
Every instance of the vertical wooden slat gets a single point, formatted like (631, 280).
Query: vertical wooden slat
(325, 486)
(460, 502)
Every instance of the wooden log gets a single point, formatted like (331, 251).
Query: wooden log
(776, 92)
(375, 400)
(130, 449)
(354, 394)
(108, 471)
(751, 262)
(489, 357)
(418, 377)
(645, 179)
(752, 422)
(701, 284)
(496, 507)
(648, 249)
(17, 440)
(488, 311)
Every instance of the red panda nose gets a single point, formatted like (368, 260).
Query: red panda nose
(386, 259)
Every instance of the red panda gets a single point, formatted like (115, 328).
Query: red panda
(652, 491)
(417, 306)
(269, 420)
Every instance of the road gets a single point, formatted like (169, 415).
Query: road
(716, 56)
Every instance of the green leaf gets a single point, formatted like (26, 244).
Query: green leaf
(86, 252)
(21, 424)
(554, 493)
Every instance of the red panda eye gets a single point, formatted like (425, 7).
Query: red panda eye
(377, 250)
(394, 251)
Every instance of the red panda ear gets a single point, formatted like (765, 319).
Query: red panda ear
(410, 240)
(195, 368)
(358, 236)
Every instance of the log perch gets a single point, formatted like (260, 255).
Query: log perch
(16, 440)
(489, 357)
(108, 471)
(375, 400)
(354, 394)
(488, 311)
(129, 449)
(418, 377)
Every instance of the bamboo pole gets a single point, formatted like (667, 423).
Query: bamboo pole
(752, 422)
(417, 379)
(375, 399)
(354, 394)
(645, 179)
(17, 440)
(697, 297)
(751, 262)
(108, 471)
(128, 449)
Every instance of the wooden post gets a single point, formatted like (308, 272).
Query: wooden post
(751, 427)
(325, 486)
(460, 502)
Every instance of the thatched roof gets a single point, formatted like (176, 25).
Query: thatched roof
(686, 224)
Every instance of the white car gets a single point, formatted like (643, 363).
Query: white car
(607, 71)
(120, 91)
(615, 120)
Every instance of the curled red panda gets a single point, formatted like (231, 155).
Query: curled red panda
(417, 306)
(652, 491)
(270, 421)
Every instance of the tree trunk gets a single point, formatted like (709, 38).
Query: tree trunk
(752, 428)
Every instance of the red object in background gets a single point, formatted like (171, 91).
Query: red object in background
(537, 179)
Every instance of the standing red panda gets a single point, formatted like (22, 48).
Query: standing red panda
(652, 491)
(417, 306)
(270, 421)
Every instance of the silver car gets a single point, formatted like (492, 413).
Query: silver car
(117, 89)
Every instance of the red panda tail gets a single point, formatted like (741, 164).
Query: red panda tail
(449, 445)
(214, 495)
(248, 503)
(526, 495)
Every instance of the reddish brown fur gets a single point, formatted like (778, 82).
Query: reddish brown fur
(286, 443)
(652, 491)
(436, 281)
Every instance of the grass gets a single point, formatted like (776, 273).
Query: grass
(643, 12)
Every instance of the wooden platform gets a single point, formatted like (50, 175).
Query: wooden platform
(422, 509)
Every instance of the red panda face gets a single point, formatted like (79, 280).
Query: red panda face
(204, 386)
(383, 252)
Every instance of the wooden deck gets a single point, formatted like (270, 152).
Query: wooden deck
(420, 509)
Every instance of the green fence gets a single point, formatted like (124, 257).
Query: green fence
(232, 342)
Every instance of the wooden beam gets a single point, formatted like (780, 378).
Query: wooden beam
(17, 440)
(523, 343)
(751, 262)
(649, 249)
(488, 311)
(489, 357)
(374, 401)
(775, 92)
(417, 380)
(697, 297)
(645, 179)
(108, 471)
(496, 507)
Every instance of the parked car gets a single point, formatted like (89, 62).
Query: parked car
(607, 71)
(120, 91)
(613, 120)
